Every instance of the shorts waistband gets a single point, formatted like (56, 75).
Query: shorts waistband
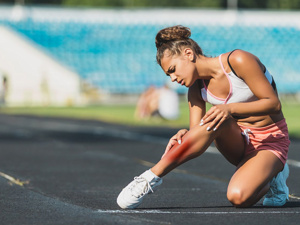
(275, 126)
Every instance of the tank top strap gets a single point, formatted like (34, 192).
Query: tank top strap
(228, 78)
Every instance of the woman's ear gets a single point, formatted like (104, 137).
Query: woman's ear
(189, 54)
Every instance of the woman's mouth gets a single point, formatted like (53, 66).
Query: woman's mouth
(181, 82)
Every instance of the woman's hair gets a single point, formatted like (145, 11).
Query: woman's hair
(174, 39)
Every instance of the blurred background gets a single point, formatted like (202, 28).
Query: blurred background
(82, 53)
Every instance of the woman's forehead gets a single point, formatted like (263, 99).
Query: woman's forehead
(169, 58)
(166, 62)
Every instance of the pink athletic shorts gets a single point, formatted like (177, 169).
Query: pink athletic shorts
(273, 138)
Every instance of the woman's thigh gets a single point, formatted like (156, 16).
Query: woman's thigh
(251, 180)
(230, 142)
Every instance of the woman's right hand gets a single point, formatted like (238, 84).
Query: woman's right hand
(177, 138)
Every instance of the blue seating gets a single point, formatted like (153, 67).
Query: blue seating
(120, 58)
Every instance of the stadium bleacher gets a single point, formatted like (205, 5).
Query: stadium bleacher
(120, 58)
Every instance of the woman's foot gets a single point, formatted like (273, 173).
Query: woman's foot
(279, 191)
(132, 195)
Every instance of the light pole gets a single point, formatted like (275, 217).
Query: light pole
(232, 4)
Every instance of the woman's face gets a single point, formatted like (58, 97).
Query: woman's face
(180, 68)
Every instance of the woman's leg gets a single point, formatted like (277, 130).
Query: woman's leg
(251, 181)
(194, 143)
(197, 140)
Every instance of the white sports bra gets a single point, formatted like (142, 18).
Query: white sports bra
(239, 90)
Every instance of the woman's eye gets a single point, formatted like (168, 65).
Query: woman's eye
(171, 70)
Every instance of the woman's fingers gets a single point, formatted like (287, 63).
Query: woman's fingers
(180, 134)
(213, 124)
(209, 115)
(215, 117)
(171, 143)
(219, 123)
(177, 138)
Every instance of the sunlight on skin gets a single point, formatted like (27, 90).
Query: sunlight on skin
(194, 143)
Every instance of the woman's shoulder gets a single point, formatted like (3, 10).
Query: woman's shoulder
(240, 56)
(243, 62)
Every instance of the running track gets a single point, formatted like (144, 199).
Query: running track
(63, 171)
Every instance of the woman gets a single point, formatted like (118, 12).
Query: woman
(245, 122)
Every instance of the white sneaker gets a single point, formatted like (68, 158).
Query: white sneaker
(132, 195)
(279, 191)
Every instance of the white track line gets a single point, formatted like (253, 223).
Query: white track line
(199, 213)
(292, 162)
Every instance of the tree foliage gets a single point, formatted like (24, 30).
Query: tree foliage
(242, 4)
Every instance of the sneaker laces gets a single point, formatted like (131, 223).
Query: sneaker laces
(140, 187)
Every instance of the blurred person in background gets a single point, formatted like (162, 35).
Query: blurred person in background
(158, 102)
(245, 122)
(3, 88)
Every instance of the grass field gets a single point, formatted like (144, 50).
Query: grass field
(124, 114)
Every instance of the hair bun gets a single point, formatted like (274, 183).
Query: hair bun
(172, 34)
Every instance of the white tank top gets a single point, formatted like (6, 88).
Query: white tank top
(239, 90)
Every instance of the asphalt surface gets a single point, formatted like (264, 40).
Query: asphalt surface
(63, 171)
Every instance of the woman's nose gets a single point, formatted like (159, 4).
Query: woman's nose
(173, 77)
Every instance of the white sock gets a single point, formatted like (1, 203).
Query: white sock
(154, 174)
(149, 175)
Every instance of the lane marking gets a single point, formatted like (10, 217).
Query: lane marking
(199, 213)
(294, 197)
(14, 180)
(292, 162)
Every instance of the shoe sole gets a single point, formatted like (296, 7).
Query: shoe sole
(271, 203)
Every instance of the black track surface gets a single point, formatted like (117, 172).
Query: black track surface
(74, 170)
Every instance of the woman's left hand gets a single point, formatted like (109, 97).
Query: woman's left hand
(216, 115)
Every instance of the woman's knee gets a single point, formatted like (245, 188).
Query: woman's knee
(238, 197)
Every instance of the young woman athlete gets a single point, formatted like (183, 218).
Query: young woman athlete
(245, 122)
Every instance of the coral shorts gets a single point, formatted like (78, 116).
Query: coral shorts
(273, 138)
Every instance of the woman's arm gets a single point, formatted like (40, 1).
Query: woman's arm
(197, 111)
(197, 106)
(248, 68)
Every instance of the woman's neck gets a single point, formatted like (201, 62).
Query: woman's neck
(207, 67)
